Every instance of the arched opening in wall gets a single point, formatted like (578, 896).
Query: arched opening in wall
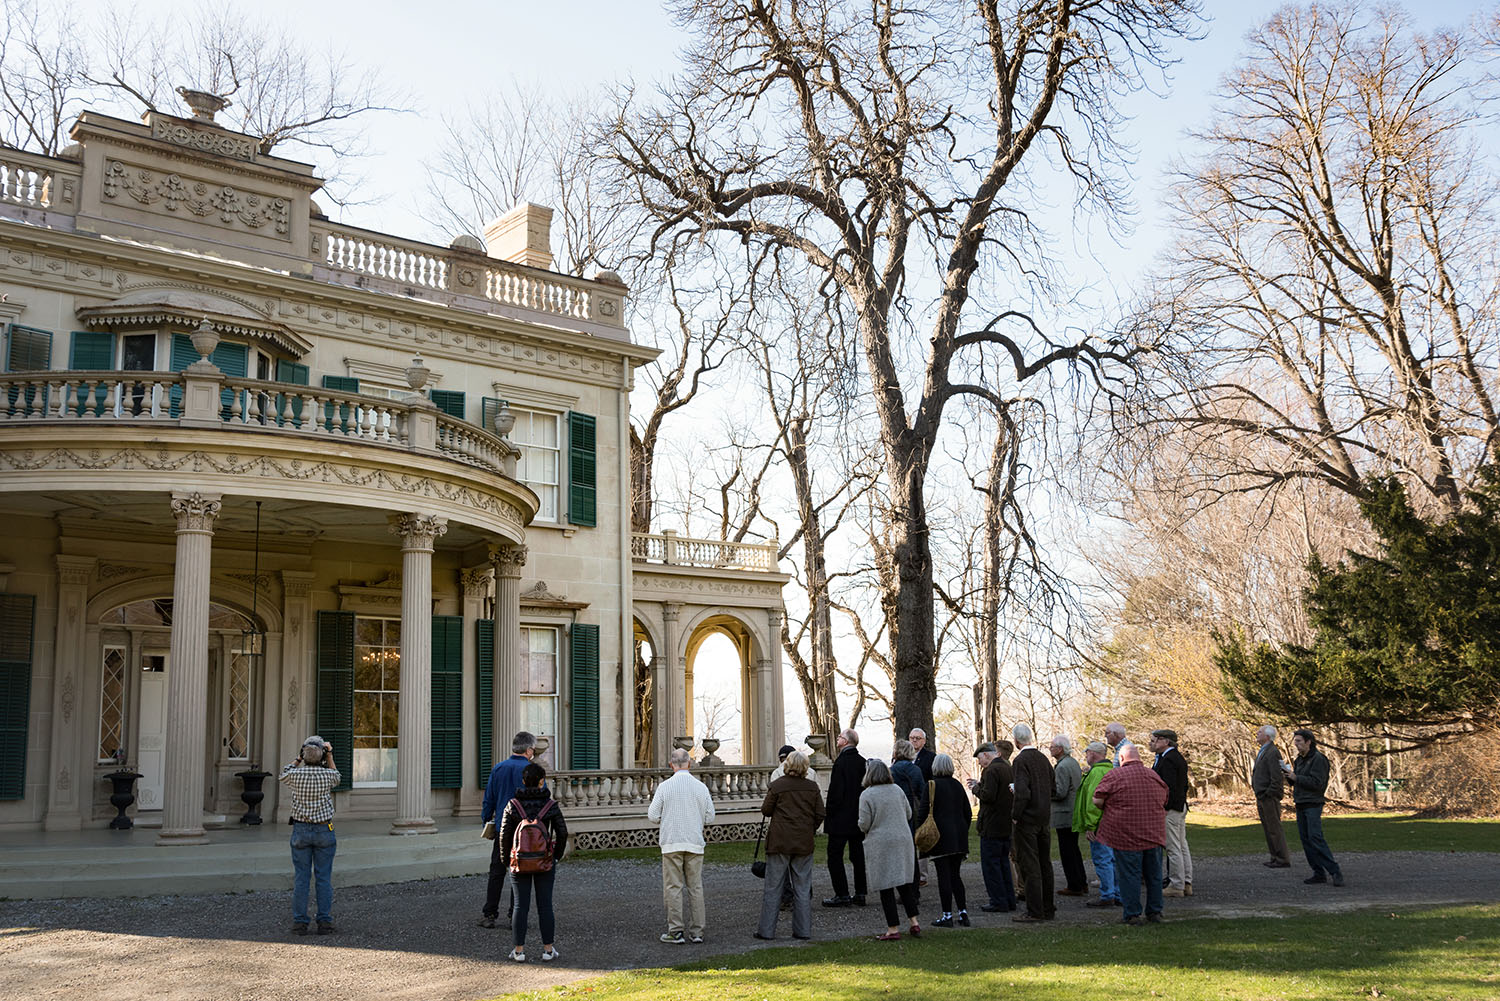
(645, 697)
(134, 658)
(717, 690)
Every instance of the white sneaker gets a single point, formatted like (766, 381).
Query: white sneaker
(517, 956)
(672, 937)
(695, 939)
(548, 955)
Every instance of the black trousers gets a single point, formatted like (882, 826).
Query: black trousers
(1033, 848)
(1071, 859)
(950, 885)
(836, 874)
(908, 892)
(498, 869)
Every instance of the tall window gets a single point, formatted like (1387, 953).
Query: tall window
(112, 705)
(237, 716)
(539, 687)
(377, 687)
(538, 436)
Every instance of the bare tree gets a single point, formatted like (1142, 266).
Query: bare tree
(275, 86)
(1333, 298)
(879, 144)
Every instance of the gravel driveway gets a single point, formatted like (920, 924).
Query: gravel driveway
(419, 940)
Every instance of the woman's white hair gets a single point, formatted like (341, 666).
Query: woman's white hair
(942, 766)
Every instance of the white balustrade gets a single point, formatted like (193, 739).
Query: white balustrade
(670, 548)
(629, 790)
(471, 443)
(540, 291)
(369, 253)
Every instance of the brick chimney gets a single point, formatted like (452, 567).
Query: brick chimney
(523, 235)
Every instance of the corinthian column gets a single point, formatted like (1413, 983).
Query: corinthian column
(187, 677)
(778, 687)
(414, 726)
(507, 562)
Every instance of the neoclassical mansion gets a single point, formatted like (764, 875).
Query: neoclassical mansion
(264, 475)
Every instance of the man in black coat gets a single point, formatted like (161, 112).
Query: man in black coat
(845, 783)
(992, 789)
(1172, 768)
(1032, 812)
(925, 754)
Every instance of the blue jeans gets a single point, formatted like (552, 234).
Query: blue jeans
(994, 866)
(313, 846)
(1130, 869)
(1104, 868)
(523, 883)
(1310, 830)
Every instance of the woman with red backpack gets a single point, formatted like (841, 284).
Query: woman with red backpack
(533, 836)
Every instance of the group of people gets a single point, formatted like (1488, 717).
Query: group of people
(895, 822)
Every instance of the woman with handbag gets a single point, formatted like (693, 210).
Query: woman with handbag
(533, 837)
(953, 814)
(795, 808)
(884, 817)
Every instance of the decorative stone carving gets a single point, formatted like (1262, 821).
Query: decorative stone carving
(475, 581)
(109, 571)
(296, 585)
(417, 531)
(508, 560)
(291, 700)
(205, 140)
(72, 572)
(539, 592)
(67, 699)
(64, 779)
(195, 512)
(199, 198)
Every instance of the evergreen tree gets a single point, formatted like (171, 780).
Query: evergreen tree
(1405, 641)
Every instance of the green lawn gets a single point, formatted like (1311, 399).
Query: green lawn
(1422, 954)
(1211, 835)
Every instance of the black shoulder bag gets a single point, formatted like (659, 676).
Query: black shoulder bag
(758, 867)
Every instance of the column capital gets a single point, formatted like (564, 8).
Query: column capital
(508, 560)
(296, 583)
(475, 581)
(75, 570)
(774, 618)
(418, 531)
(196, 512)
(670, 610)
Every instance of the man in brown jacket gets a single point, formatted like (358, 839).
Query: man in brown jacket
(795, 807)
(1032, 813)
(992, 789)
(1266, 781)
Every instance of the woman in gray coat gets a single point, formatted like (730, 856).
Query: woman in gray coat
(884, 813)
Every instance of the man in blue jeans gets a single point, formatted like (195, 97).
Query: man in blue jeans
(1308, 777)
(311, 779)
(1133, 799)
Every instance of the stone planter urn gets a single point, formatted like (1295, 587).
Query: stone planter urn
(710, 758)
(123, 782)
(253, 794)
(816, 742)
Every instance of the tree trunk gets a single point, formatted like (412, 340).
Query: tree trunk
(823, 711)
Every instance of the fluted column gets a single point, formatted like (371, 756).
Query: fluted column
(475, 584)
(70, 768)
(766, 744)
(187, 677)
(507, 562)
(778, 685)
(671, 682)
(414, 727)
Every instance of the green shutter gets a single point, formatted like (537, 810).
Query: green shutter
(584, 688)
(28, 349)
(290, 371)
(335, 712)
(17, 613)
(342, 383)
(581, 464)
(447, 701)
(484, 660)
(450, 402)
(489, 409)
(92, 351)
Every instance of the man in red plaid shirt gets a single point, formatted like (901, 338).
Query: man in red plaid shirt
(1134, 800)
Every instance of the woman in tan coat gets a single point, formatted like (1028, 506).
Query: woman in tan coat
(795, 807)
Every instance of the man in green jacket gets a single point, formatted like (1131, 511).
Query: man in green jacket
(1086, 819)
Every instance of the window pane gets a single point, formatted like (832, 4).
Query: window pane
(377, 683)
(389, 714)
(112, 705)
(238, 728)
(539, 715)
(540, 649)
(367, 632)
(366, 669)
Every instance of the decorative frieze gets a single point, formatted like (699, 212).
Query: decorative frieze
(263, 214)
(206, 140)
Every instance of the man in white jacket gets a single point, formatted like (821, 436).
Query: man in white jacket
(683, 808)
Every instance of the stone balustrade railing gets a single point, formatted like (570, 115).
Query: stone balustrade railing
(671, 549)
(624, 792)
(157, 397)
(363, 254)
(38, 182)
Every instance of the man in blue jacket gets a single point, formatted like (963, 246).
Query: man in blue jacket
(505, 779)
